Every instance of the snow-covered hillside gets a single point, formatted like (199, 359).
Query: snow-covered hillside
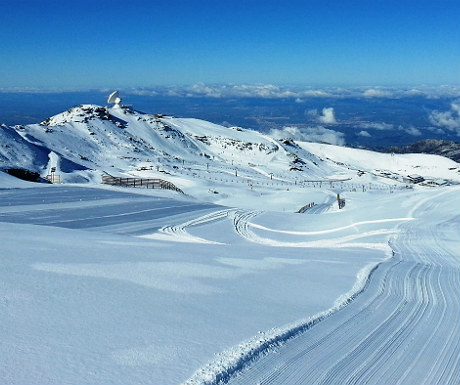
(226, 283)
(202, 158)
(119, 139)
(15, 151)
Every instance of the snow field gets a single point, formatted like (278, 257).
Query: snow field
(402, 329)
(86, 301)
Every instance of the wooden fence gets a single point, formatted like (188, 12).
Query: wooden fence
(140, 182)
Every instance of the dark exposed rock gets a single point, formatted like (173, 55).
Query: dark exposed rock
(27, 175)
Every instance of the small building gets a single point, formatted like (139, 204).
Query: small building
(436, 182)
(414, 178)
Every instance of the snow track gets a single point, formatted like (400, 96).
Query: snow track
(403, 329)
(180, 234)
(242, 224)
(241, 220)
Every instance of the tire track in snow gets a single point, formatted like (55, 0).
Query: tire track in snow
(403, 329)
(241, 221)
(180, 233)
(361, 362)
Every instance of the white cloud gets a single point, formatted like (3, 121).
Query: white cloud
(268, 91)
(449, 120)
(364, 134)
(310, 134)
(201, 89)
(328, 116)
(142, 92)
(376, 93)
(376, 126)
(315, 93)
(173, 92)
(455, 106)
(411, 130)
(381, 126)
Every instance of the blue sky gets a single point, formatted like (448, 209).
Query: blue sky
(145, 43)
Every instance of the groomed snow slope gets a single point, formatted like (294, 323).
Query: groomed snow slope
(126, 286)
(402, 329)
(86, 300)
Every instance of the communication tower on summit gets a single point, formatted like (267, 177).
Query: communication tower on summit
(114, 98)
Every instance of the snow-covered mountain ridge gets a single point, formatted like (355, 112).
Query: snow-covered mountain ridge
(98, 134)
(88, 140)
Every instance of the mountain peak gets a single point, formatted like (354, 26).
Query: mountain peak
(77, 114)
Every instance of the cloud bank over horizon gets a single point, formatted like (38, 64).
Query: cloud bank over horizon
(300, 94)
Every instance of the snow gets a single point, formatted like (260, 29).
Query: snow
(104, 284)
(112, 304)
(402, 328)
(406, 164)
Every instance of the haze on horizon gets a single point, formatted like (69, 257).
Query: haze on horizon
(119, 44)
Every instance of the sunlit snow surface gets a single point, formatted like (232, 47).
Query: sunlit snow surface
(100, 286)
(104, 285)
